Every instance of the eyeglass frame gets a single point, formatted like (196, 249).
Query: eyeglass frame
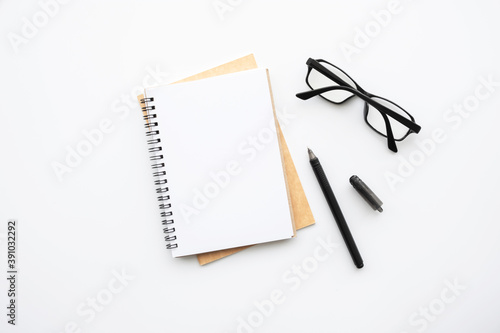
(365, 96)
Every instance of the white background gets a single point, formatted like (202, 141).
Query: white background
(439, 226)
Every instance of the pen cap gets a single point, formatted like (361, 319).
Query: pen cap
(366, 193)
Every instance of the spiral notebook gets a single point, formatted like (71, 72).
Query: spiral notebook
(217, 163)
(302, 215)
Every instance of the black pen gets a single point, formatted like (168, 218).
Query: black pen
(335, 208)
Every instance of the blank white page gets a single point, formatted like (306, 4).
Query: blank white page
(223, 164)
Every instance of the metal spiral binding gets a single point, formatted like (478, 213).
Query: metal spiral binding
(159, 173)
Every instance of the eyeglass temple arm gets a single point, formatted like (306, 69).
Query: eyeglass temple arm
(391, 143)
(408, 123)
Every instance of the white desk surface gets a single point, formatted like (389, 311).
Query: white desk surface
(91, 255)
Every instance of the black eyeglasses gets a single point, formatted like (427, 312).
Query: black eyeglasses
(333, 84)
